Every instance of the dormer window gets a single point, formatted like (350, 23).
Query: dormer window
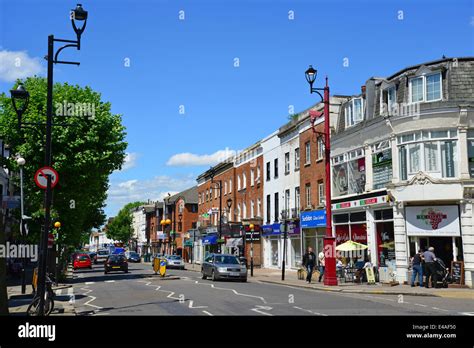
(354, 112)
(426, 88)
(388, 99)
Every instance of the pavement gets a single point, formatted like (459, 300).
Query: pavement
(273, 276)
(184, 293)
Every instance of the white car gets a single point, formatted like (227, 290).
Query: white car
(174, 261)
(101, 256)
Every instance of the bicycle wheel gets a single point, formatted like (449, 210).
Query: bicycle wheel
(49, 304)
(33, 308)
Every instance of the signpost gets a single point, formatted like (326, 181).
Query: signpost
(41, 177)
(457, 272)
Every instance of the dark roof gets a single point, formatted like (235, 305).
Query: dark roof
(189, 195)
(428, 63)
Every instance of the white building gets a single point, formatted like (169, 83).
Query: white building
(403, 167)
(139, 229)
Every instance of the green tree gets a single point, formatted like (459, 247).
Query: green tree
(120, 228)
(85, 153)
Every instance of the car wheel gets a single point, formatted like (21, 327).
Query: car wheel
(203, 275)
(90, 267)
(213, 276)
(105, 272)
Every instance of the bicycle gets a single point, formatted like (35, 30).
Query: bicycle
(34, 308)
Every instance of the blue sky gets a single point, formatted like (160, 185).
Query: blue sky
(190, 63)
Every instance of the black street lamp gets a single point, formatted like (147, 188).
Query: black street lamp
(20, 99)
(78, 14)
(284, 216)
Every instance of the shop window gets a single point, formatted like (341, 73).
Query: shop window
(385, 242)
(385, 214)
(382, 167)
(358, 216)
(341, 218)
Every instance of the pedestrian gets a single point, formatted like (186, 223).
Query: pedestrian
(430, 258)
(309, 261)
(417, 268)
(322, 264)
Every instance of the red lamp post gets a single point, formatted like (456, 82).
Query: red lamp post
(330, 277)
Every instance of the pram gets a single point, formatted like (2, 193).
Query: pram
(442, 272)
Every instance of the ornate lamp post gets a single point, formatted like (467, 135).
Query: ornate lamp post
(251, 226)
(164, 223)
(180, 229)
(218, 185)
(329, 241)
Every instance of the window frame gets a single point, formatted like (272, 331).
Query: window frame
(321, 193)
(287, 163)
(307, 190)
(297, 158)
(350, 117)
(307, 150)
(425, 87)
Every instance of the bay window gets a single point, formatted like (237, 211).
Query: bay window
(354, 112)
(433, 152)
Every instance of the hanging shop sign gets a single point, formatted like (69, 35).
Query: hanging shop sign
(313, 219)
(437, 220)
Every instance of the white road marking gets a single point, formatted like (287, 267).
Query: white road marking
(440, 309)
(310, 311)
(260, 308)
(58, 292)
(467, 313)
(109, 281)
(92, 298)
(206, 312)
(89, 283)
(234, 291)
(70, 291)
(421, 305)
(191, 302)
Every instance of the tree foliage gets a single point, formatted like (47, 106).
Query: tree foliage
(85, 153)
(120, 228)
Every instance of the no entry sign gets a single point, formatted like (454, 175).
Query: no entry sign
(41, 178)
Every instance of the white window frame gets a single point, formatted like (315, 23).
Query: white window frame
(259, 207)
(287, 163)
(244, 180)
(239, 183)
(320, 148)
(420, 138)
(307, 148)
(349, 112)
(244, 210)
(252, 209)
(230, 185)
(297, 158)
(252, 177)
(321, 193)
(424, 87)
(307, 189)
(225, 188)
(297, 199)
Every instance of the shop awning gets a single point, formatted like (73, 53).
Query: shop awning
(208, 240)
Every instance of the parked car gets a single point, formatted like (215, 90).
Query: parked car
(174, 261)
(101, 256)
(133, 256)
(223, 266)
(81, 261)
(117, 262)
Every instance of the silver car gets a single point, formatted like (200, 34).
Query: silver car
(223, 266)
(174, 261)
(101, 256)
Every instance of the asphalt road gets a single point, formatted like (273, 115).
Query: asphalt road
(140, 292)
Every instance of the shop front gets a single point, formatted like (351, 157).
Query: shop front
(273, 240)
(437, 227)
(313, 226)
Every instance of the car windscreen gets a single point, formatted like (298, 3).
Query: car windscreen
(174, 257)
(133, 254)
(103, 252)
(83, 257)
(116, 257)
(225, 259)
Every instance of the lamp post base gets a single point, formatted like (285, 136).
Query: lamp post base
(330, 276)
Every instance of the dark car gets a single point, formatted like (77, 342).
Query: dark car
(133, 256)
(116, 263)
(92, 255)
(223, 266)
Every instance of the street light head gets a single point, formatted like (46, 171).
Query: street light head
(57, 224)
(79, 14)
(229, 203)
(168, 221)
(20, 161)
(251, 226)
(311, 74)
(163, 222)
(20, 99)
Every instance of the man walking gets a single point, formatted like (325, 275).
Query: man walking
(321, 265)
(430, 259)
(309, 260)
(417, 268)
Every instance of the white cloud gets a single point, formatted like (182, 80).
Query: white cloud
(18, 65)
(187, 159)
(130, 160)
(472, 21)
(121, 193)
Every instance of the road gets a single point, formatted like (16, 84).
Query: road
(139, 292)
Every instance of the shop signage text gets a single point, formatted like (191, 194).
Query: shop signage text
(442, 220)
(313, 219)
